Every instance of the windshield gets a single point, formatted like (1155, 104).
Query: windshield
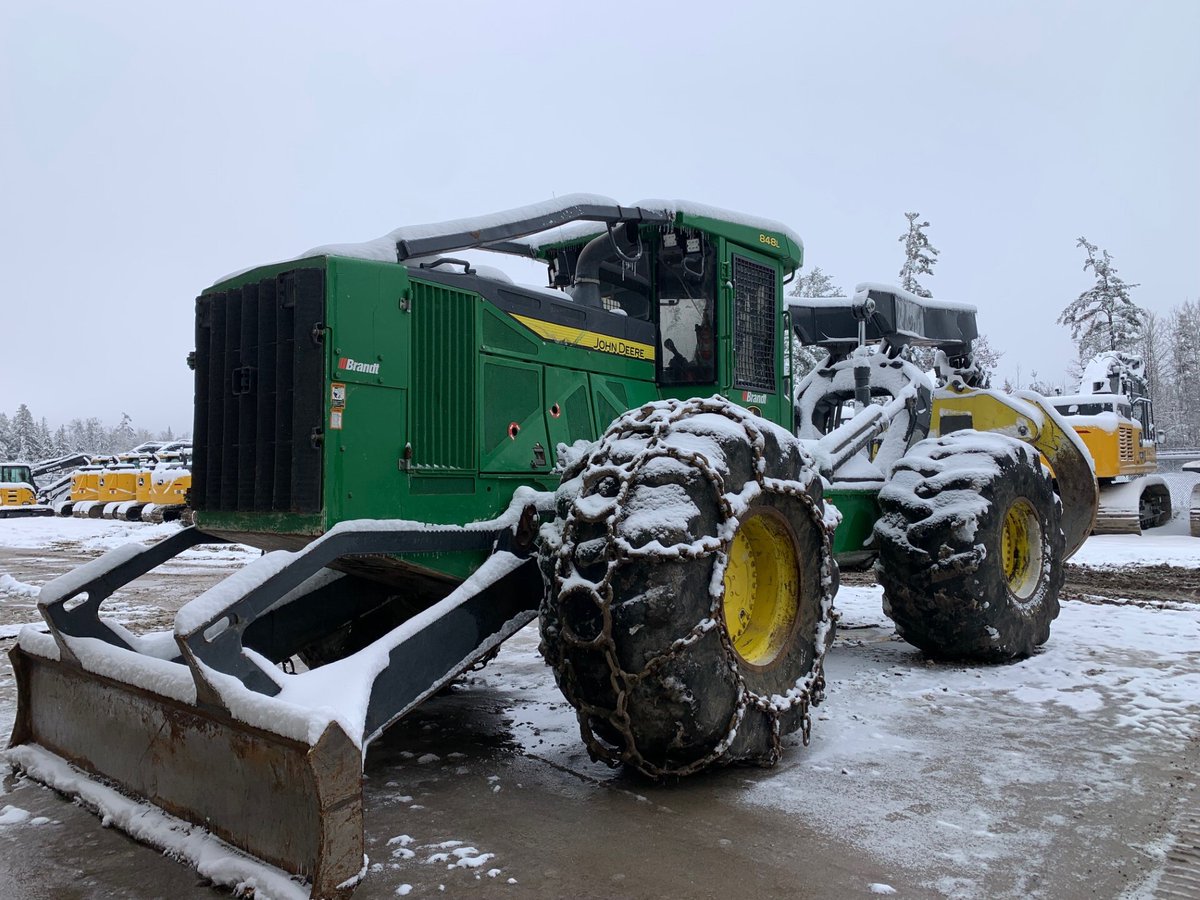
(686, 309)
(12, 474)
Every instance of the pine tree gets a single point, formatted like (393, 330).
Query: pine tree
(44, 447)
(815, 284)
(1104, 317)
(24, 431)
(124, 434)
(7, 444)
(919, 256)
(812, 284)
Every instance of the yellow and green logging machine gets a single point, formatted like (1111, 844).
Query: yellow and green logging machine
(436, 455)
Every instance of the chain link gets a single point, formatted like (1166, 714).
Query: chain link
(650, 423)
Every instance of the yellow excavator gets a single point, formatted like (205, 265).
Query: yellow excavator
(1113, 415)
(18, 492)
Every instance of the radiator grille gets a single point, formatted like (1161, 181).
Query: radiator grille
(443, 378)
(1125, 443)
(753, 325)
(259, 396)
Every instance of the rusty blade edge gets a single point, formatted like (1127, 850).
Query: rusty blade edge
(216, 860)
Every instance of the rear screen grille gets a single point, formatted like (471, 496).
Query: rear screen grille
(753, 325)
(259, 395)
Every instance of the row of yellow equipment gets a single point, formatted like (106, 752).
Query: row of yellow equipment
(149, 483)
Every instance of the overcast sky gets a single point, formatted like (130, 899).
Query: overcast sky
(147, 150)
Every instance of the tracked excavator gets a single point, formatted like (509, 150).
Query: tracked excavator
(433, 456)
(20, 493)
(1114, 416)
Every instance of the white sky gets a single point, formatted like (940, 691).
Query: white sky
(148, 149)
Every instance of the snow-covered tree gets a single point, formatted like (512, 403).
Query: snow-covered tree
(24, 434)
(919, 255)
(7, 444)
(124, 433)
(1104, 317)
(811, 284)
(987, 358)
(1180, 416)
(815, 284)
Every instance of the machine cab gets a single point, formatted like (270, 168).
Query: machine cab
(713, 290)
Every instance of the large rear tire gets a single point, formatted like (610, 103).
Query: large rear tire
(970, 548)
(690, 581)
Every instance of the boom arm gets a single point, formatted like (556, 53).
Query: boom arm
(501, 229)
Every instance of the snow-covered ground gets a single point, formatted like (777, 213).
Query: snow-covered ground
(1171, 545)
(1058, 775)
(86, 534)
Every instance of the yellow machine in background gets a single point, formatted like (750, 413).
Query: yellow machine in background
(1114, 417)
(18, 492)
(85, 492)
(163, 488)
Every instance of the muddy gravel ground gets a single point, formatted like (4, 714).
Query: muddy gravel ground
(922, 780)
(1148, 584)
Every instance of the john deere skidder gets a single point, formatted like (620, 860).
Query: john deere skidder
(435, 455)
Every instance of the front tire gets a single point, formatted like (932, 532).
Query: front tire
(970, 548)
(689, 589)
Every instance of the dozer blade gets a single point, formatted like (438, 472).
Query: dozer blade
(202, 722)
(1130, 507)
(294, 805)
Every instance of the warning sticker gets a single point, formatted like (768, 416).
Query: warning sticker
(337, 392)
(335, 420)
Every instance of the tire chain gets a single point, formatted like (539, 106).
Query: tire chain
(808, 691)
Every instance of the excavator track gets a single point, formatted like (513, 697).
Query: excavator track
(1194, 513)
(1130, 507)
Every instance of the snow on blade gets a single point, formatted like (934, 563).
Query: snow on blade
(210, 856)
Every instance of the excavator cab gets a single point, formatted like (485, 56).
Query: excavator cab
(19, 492)
(1113, 415)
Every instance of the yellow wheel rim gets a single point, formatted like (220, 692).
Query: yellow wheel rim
(762, 584)
(1021, 549)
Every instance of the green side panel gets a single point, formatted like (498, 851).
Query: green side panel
(443, 361)
(370, 333)
(568, 407)
(613, 396)
(501, 333)
(512, 422)
(859, 509)
(367, 481)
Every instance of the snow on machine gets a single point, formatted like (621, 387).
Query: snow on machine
(1113, 414)
(19, 492)
(433, 456)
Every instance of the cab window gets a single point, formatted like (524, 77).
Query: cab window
(687, 309)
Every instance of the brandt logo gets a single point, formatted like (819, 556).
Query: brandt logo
(351, 365)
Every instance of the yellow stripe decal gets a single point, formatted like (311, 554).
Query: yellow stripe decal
(589, 340)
